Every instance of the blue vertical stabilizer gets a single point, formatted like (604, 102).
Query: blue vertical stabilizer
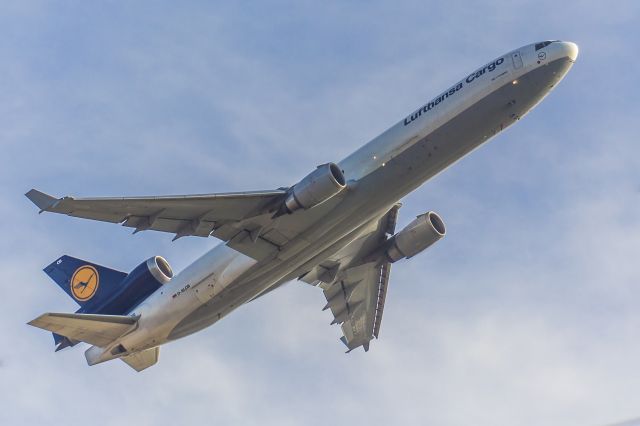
(90, 285)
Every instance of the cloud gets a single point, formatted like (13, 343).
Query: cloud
(633, 422)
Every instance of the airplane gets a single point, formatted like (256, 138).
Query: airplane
(334, 229)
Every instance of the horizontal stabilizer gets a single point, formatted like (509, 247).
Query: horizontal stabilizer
(143, 359)
(40, 199)
(99, 330)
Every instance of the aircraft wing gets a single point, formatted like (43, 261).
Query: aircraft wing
(233, 217)
(355, 281)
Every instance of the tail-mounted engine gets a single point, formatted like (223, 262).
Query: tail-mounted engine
(317, 187)
(420, 234)
(158, 267)
(120, 297)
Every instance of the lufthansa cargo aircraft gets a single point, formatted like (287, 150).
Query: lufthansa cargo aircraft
(334, 229)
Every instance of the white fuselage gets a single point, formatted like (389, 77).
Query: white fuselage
(381, 172)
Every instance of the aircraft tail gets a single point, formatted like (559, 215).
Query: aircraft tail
(90, 285)
(103, 291)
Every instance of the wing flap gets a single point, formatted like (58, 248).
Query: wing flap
(385, 272)
(99, 330)
(353, 299)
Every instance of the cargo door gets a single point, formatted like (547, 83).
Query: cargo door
(517, 60)
(205, 290)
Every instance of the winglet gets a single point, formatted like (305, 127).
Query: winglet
(40, 199)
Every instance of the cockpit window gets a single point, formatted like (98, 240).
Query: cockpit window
(543, 44)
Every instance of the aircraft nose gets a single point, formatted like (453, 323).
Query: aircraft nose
(568, 49)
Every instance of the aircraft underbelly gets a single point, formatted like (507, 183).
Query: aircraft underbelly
(383, 187)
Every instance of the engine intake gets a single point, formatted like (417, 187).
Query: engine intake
(421, 233)
(136, 286)
(317, 187)
(160, 269)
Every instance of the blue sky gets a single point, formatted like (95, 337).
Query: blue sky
(527, 313)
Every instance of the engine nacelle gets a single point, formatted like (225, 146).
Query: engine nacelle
(317, 187)
(420, 234)
(153, 269)
(139, 284)
(158, 267)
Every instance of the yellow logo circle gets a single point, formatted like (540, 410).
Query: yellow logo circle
(84, 283)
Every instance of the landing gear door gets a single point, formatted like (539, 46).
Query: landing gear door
(517, 60)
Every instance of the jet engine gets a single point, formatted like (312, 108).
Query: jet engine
(420, 234)
(316, 188)
(155, 267)
(136, 286)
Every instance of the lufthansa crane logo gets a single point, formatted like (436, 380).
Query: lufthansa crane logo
(84, 283)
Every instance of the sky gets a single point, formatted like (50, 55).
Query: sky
(527, 312)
